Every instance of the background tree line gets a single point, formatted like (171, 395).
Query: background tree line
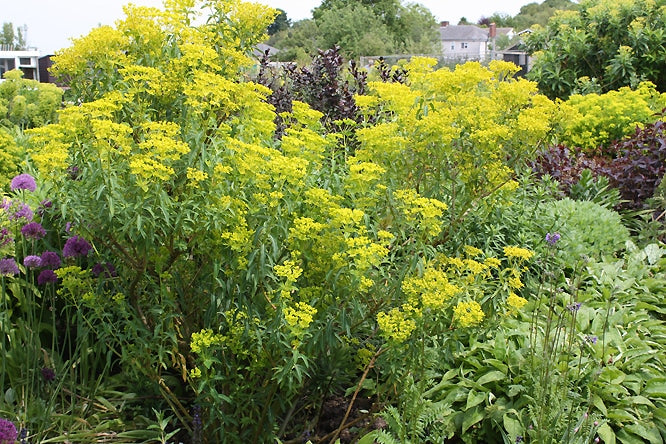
(12, 38)
(382, 27)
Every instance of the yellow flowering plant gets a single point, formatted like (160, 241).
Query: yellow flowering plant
(255, 267)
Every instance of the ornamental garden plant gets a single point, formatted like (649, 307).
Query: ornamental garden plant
(181, 260)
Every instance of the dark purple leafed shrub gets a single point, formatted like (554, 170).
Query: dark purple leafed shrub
(640, 168)
(325, 85)
(566, 165)
(634, 165)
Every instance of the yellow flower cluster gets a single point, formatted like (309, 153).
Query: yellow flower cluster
(288, 270)
(492, 262)
(195, 176)
(514, 301)
(395, 325)
(472, 251)
(205, 339)
(305, 228)
(299, 317)
(424, 211)
(433, 289)
(521, 254)
(364, 252)
(468, 313)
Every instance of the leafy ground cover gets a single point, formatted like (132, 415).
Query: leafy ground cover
(190, 255)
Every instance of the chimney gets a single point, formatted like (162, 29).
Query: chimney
(493, 30)
(444, 24)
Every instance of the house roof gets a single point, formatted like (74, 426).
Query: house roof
(469, 33)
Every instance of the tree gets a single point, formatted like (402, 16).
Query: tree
(611, 44)
(539, 14)
(356, 29)
(366, 27)
(280, 23)
(12, 38)
(297, 43)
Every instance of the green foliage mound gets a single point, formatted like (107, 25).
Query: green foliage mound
(587, 228)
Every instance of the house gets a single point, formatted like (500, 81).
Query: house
(25, 60)
(470, 42)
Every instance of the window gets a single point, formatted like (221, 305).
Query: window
(25, 61)
(463, 45)
(453, 46)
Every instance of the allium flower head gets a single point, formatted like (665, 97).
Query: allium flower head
(47, 277)
(48, 374)
(552, 238)
(33, 230)
(32, 261)
(51, 260)
(23, 182)
(16, 210)
(105, 270)
(8, 267)
(7, 432)
(574, 307)
(76, 246)
(5, 237)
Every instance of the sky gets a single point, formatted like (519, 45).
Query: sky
(51, 24)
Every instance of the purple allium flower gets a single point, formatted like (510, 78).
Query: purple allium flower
(76, 246)
(48, 374)
(5, 237)
(33, 230)
(32, 261)
(47, 277)
(23, 182)
(7, 432)
(106, 270)
(73, 172)
(574, 307)
(519, 438)
(68, 227)
(51, 260)
(16, 210)
(591, 339)
(552, 238)
(8, 267)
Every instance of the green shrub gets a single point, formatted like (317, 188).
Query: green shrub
(28, 103)
(587, 228)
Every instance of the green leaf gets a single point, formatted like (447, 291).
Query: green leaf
(471, 417)
(599, 404)
(621, 416)
(651, 433)
(606, 433)
(612, 375)
(491, 376)
(513, 426)
(474, 399)
(514, 390)
(656, 387)
(369, 438)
